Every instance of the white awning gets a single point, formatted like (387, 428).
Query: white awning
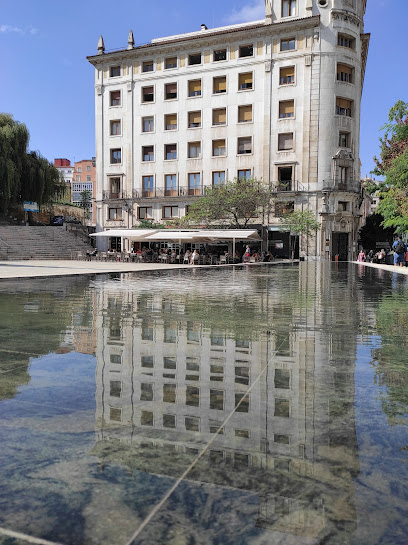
(193, 235)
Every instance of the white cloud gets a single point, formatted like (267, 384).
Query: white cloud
(9, 28)
(252, 11)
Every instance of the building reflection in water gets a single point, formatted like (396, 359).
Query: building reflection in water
(275, 400)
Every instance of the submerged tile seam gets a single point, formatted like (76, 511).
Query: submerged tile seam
(157, 508)
(27, 538)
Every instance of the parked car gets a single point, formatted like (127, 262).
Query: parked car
(57, 220)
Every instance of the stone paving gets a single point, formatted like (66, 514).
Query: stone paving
(48, 268)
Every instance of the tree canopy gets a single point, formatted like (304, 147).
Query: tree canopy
(393, 165)
(300, 222)
(24, 175)
(234, 204)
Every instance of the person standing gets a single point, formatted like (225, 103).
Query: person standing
(400, 249)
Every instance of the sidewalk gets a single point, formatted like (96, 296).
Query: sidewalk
(390, 268)
(48, 268)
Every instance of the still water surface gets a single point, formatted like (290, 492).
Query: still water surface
(251, 406)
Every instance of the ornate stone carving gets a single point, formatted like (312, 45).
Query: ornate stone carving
(346, 17)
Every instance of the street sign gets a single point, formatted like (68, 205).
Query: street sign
(30, 206)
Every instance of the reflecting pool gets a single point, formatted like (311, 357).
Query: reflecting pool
(249, 405)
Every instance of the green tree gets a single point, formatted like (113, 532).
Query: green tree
(13, 146)
(233, 204)
(85, 202)
(24, 175)
(299, 222)
(373, 232)
(393, 165)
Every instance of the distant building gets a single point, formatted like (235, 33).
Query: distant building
(66, 170)
(276, 99)
(375, 199)
(84, 176)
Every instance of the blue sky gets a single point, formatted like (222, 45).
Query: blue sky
(47, 82)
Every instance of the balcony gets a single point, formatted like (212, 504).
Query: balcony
(287, 186)
(352, 186)
(173, 192)
(114, 195)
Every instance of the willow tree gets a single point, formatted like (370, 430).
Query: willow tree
(13, 148)
(24, 175)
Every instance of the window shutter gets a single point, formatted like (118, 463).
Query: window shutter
(195, 117)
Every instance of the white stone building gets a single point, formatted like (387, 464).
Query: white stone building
(277, 99)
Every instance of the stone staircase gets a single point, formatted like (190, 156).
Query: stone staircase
(43, 242)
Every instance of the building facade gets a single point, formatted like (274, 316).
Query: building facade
(83, 179)
(277, 99)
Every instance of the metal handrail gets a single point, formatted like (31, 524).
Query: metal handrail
(289, 186)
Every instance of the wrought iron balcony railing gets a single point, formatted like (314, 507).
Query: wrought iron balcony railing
(161, 192)
(287, 186)
(353, 186)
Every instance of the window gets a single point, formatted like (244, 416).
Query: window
(114, 71)
(194, 150)
(220, 85)
(245, 114)
(217, 400)
(286, 108)
(281, 408)
(217, 372)
(194, 120)
(245, 81)
(115, 128)
(170, 189)
(192, 396)
(282, 379)
(285, 178)
(169, 421)
(343, 206)
(242, 433)
(145, 212)
(115, 388)
(244, 145)
(192, 423)
(219, 116)
(115, 214)
(244, 174)
(220, 55)
(285, 141)
(77, 178)
(115, 98)
(246, 51)
(281, 438)
(88, 178)
(88, 168)
(242, 375)
(343, 40)
(147, 124)
(170, 151)
(170, 122)
(170, 91)
(146, 418)
(287, 75)
(147, 153)
(115, 414)
(169, 393)
(344, 140)
(79, 169)
(147, 66)
(218, 148)
(114, 184)
(287, 44)
(194, 58)
(218, 178)
(242, 403)
(344, 107)
(148, 94)
(194, 180)
(170, 62)
(146, 392)
(116, 358)
(147, 186)
(345, 73)
(115, 156)
(194, 88)
(288, 8)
